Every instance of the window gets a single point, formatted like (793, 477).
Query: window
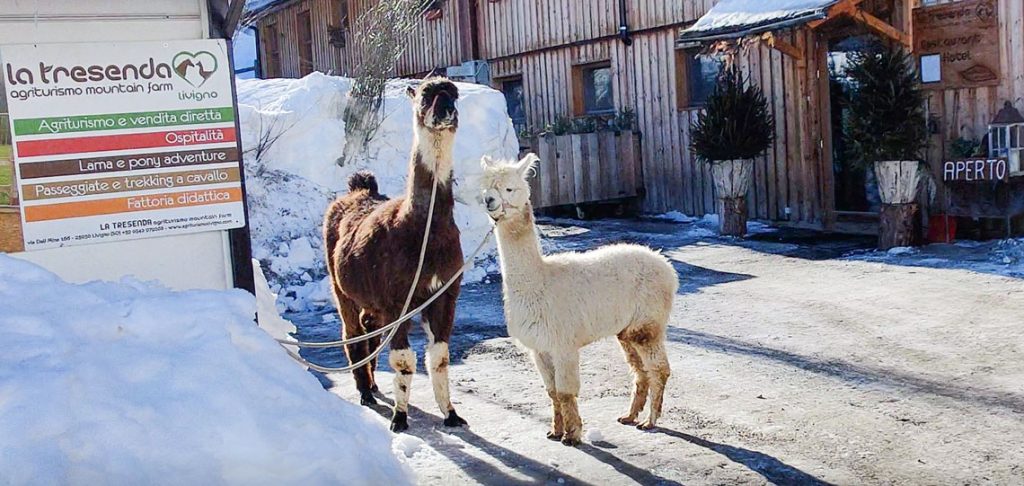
(305, 29)
(336, 32)
(696, 76)
(592, 90)
(272, 46)
(512, 88)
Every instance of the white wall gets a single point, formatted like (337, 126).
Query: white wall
(179, 262)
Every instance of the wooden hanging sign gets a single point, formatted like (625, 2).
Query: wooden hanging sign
(957, 44)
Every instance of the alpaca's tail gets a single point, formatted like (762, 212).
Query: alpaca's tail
(363, 180)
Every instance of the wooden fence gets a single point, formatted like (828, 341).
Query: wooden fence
(586, 168)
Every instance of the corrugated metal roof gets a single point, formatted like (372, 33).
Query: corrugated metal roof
(738, 18)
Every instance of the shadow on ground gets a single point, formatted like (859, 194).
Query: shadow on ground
(772, 469)
(851, 372)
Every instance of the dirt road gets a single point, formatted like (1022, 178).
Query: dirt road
(790, 366)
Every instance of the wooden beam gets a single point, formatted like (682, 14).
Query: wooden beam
(879, 26)
(839, 9)
(784, 47)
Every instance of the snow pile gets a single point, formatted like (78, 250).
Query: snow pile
(292, 133)
(130, 383)
(707, 226)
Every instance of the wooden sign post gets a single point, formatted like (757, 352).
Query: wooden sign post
(957, 44)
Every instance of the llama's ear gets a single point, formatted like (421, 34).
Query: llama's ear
(528, 165)
(486, 162)
(409, 90)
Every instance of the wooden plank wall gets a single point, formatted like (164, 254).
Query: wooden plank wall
(790, 176)
(588, 167)
(966, 112)
(433, 44)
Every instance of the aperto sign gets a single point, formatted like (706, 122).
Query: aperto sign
(123, 140)
(976, 170)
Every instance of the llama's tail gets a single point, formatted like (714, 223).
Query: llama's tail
(363, 180)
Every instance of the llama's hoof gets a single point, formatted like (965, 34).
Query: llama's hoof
(454, 420)
(646, 425)
(627, 420)
(366, 399)
(555, 436)
(570, 441)
(400, 422)
(375, 389)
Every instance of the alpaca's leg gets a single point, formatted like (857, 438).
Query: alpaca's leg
(403, 361)
(656, 364)
(567, 386)
(353, 325)
(547, 373)
(640, 382)
(439, 319)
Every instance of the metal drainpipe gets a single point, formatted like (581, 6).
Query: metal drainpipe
(624, 24)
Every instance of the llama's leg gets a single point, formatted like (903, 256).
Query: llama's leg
(567, 386)
(656, 363)
(547, 373)
(439, 319)
(373, 344)
(352, 326)
(640, 379)
(403, 361)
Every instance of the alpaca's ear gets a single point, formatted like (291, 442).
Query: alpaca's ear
(528, 165)
(409, 90)
(486, 162)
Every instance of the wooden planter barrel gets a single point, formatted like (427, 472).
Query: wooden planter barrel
(898, 182)
(732, 181)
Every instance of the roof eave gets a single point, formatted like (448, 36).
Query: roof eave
(727, 33)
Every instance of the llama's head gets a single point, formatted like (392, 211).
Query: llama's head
(433, 104)
(504, 190)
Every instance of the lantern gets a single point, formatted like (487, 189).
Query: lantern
(1006, 136)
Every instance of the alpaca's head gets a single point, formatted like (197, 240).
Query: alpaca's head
(433, 104)
(503, 187)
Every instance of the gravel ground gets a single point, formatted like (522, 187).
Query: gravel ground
(797, 359)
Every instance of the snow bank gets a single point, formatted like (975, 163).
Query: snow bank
(291, 182)
(130, 383)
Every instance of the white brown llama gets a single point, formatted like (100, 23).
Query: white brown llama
(557, 304)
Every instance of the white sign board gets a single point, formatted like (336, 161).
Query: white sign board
(118, 141)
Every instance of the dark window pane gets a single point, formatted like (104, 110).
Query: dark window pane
(597, 90)
(513, 91)
(704, 72)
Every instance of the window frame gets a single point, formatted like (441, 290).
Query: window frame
(686, 59)
(273, 50)
(305, 42)
(579, 77)
(500, 85)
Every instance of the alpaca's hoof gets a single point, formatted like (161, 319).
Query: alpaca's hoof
(627, 420)
(556, 436)
(454, 420)
(646, 425)
(400, 422)
(570, 441)
(366, 399)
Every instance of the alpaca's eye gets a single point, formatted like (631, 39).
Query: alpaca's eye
(508, 189)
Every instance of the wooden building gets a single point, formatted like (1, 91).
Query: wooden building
(576, 58)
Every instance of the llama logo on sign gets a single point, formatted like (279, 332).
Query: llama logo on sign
(194, 68)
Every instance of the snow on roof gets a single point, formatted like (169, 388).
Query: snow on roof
(256, 9)
(736, 18)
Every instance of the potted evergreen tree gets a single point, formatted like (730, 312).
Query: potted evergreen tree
(734, 127)
(886, 129)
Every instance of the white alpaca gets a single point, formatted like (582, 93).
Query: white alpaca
(557, 304)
